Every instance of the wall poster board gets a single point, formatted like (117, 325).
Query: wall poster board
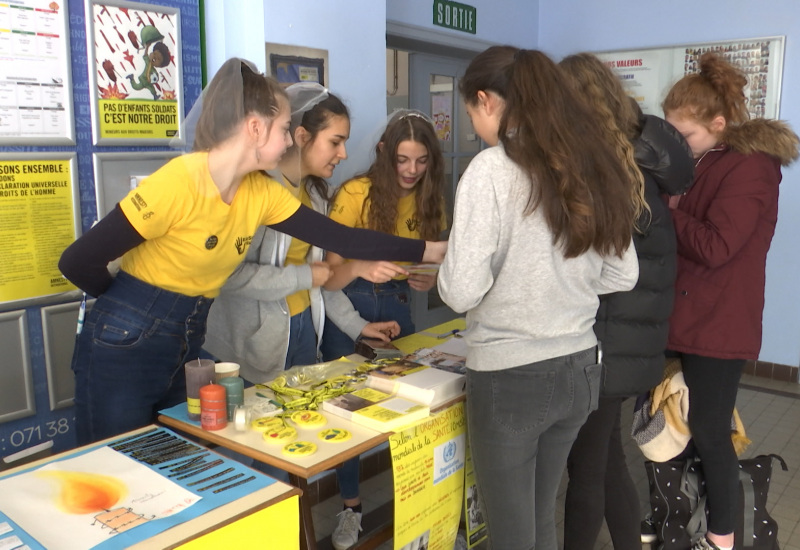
(35, 82)
(648, 74)
(292, 64)
(39, 218)
(134, 72)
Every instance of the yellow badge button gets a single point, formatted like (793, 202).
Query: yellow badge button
(300, 448)
(334, 435)
(308, 419)
(266, 423)
(281, 435)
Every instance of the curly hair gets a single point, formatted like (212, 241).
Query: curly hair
(619, 118)
(384, 192)
(576, 180)
(717, 90)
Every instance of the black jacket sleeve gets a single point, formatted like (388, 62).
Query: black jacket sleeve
(84, 261)
(355, 244)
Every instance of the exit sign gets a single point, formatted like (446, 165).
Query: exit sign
(453, 15)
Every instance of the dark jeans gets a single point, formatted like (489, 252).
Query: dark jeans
(374, 302)
(128, 360)
(600, 485)
(713, 384)
(522, 422)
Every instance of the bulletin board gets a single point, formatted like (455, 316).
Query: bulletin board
(648, 74)
(39, 218)
(35, 77)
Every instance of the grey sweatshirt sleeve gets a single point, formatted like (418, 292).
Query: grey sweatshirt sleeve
(618, 274)
(258, 279)
(340, 310)
(466, 274)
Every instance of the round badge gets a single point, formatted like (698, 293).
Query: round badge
(299, 448)
(308, 419)
(266, 423)
(211, 242)
(334, 435)
(281, 435)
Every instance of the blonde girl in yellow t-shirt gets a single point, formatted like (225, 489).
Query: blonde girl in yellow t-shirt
(180, 234)
(402, 194)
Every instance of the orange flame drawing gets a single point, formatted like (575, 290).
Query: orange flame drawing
(84, 493)
(167, 94)
(112, 92)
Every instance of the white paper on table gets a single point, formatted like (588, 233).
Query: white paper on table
(10, 542)
(455, 345)
(114, 481)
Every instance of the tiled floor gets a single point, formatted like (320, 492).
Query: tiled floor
(771, 414)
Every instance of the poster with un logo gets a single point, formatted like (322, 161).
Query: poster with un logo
(428, 464)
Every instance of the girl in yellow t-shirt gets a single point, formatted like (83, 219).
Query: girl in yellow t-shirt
(180, 234)
(400, 194)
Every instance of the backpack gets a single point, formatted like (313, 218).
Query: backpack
(678, 503)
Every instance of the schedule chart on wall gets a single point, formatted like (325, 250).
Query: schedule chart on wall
(34, 70)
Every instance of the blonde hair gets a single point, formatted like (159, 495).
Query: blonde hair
(618, 116)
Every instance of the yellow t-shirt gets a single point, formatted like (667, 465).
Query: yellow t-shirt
(297, 255)
(351, 208)
(194, 240)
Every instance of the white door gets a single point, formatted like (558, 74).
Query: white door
(433, 89)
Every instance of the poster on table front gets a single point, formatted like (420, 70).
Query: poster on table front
(35, 84)
(134, 72)
(39, 218)
(648, 74)
(428, 469)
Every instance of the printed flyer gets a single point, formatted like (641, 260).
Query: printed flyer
(428, 467)
(37, 222)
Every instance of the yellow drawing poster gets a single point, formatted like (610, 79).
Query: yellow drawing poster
(428, 467)
(37, 222)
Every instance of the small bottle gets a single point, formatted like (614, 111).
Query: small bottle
(213, 408)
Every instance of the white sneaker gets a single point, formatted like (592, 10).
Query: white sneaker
(346, 533)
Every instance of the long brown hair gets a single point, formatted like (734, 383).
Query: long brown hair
(575, 177)
(384, 193)
(235, 92)
(618, 114)
(717, 90)
(314, 120)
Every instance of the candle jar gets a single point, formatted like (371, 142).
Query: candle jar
(213, 410)
(234, 391)
(199, 372)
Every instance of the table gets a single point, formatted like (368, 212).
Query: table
(329, 455)
(241, 519)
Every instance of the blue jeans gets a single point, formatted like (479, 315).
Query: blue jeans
(521, 424)
(374, 302)
(302, 340)
(128, 360)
